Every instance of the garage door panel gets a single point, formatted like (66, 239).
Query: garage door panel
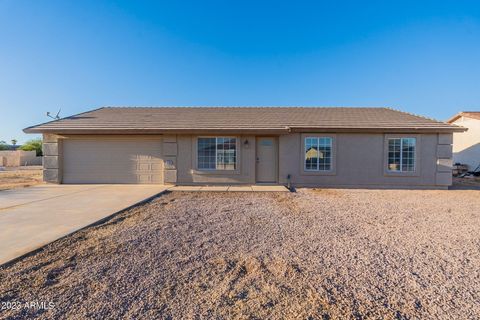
(156, 167)
(112, 161)
(150, 167)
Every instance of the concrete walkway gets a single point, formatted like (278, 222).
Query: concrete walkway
(32, 217)
(252, 188)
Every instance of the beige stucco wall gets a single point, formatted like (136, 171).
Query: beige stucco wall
(187, 172)
(359, 160)
(29, 158)
(466, 145)
(19, 158)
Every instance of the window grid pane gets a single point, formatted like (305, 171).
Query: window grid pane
(401, 154)
(226, 153)
(311, 154)
(216, 153)
(394, 146)
(408, 154)
(206, 153)
(318, 153)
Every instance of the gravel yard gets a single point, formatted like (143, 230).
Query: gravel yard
(314, 254)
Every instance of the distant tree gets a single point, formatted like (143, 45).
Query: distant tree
(14, 142)
(3, 145)
(34, 144)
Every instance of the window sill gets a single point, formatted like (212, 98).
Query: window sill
(401, 174)
(318, 173)
(215, 172)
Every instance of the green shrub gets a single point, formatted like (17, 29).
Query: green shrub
(3, 145)
(34, 144)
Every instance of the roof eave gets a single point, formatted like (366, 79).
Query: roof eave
(157, 131)
(448, 129)
(466, 114)
(38, 127)
(284, 130)
(455, 117)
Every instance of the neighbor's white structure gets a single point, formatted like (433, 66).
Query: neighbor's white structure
(466, 145)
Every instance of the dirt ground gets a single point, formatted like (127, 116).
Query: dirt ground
(470, 181)
(20, 177)
(314, 254)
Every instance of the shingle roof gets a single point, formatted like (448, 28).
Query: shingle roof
(469, 114)
(240, 119)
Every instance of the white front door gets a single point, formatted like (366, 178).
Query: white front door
(266, 167)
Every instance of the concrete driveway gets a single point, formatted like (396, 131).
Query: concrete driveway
(32, 217)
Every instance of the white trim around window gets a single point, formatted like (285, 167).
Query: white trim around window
(318, 154)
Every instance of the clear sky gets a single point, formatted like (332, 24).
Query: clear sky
(418, 56)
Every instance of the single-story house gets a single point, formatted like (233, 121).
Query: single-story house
(306, 146)
(466, 145)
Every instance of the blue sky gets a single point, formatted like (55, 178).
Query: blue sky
(419, 56)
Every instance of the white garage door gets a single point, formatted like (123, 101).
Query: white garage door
(122, 160)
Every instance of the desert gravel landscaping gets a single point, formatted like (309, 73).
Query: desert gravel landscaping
(314, 254)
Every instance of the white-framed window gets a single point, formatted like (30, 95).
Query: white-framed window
(401, 154)
(318, 153)
(217, 153)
